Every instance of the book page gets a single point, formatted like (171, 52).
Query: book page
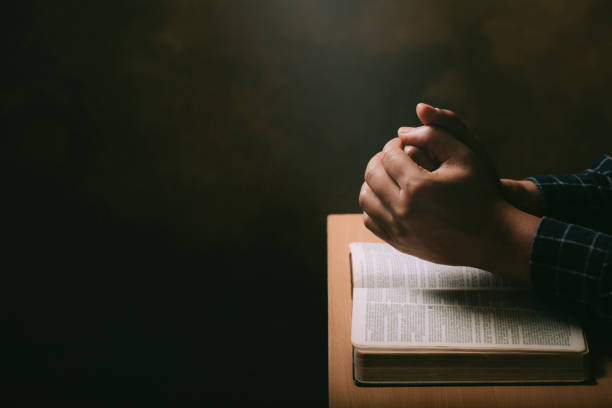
(398, 319)
(382, 266)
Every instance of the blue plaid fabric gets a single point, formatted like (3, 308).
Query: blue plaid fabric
(571, 255)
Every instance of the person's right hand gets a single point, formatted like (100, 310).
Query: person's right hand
(453, 215)
(523, 194)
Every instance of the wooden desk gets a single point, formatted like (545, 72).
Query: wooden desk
(342, 229)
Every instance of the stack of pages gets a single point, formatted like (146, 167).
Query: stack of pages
(417, 322)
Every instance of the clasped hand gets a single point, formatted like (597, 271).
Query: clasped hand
(431, 194)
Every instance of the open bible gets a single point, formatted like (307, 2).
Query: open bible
(419, 322)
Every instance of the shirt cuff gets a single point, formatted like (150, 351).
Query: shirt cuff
(567, 262)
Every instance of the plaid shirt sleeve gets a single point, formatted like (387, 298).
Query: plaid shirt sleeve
(572, 263)
(584, 198)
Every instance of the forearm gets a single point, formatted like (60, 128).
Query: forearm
(565, 263)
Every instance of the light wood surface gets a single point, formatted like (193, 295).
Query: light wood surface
(342, 229)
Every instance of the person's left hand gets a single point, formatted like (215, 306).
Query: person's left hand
(522, 194)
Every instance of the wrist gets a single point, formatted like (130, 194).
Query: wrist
(510, 251)
(523, 194)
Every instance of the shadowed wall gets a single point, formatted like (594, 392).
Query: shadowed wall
(170, 165)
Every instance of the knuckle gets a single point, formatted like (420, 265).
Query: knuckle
(404, 182)
(384, 157)
(387, 158)
(403, 210)
(386, 147)
(413, 152)
(363, 189)
(367, 221)
(368, 175)
(372, 163)
(377, 158)
(390, 144)
(373, 167)
(410, 150)
(362, 199)
(410, 195)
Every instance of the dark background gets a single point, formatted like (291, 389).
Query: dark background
(168, 167)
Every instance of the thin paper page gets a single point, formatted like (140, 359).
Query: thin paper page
(382, 266)
(420, 322)
(458, 297)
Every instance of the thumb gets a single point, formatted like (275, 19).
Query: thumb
(449, 121)
(445, 119)
(438, 143)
